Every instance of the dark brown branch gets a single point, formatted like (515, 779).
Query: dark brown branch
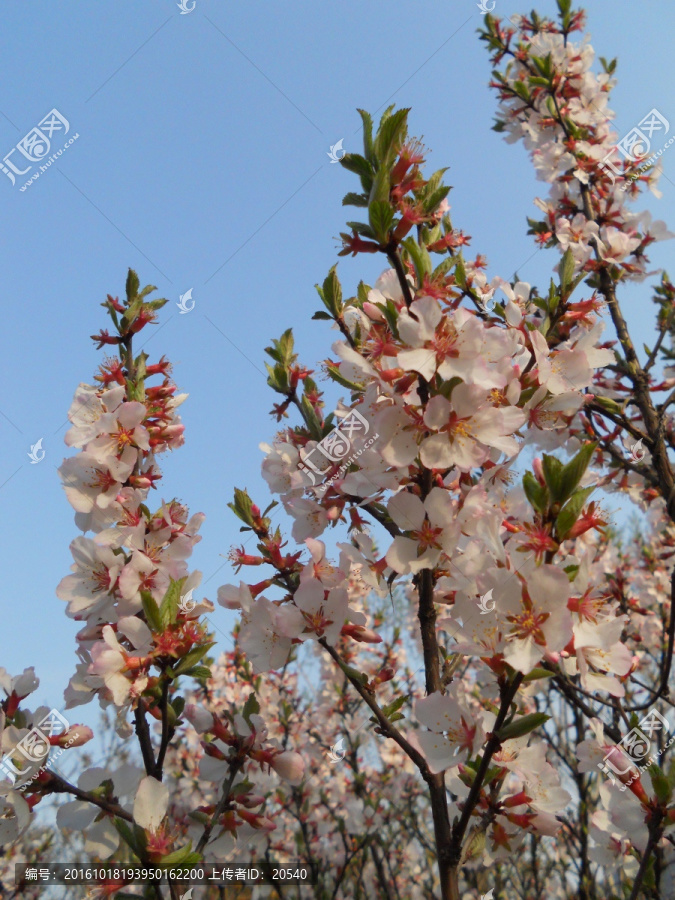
(59, 785)
(493, 744)
(655, 832)
(143, 735)
(235, 765)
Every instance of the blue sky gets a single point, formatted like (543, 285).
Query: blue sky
(202, 162)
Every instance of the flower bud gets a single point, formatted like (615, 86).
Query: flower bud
(74, 737)
(289, 765)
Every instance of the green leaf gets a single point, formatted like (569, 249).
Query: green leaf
(566, 272)
(570, 512)
(127, 834)
(367, 120)
(281, 350)
(168, 610)
(148, 289)
(536, 493)
(311, 419)
(191, 659)
(151, 611)
(381, 217)
(552, 476)
(473, 846)
(390, 136)
(242, 506)
(608, 404)
(320, 314)
(521, 90)
(662, 788)
(132, 285)
(420, 258)
(553, 298)
(278, 378)
(573, 472)
(157, 304)
(201, 673)
(436, 197)
(361, 167)
(334, 373)
(443, 267)
(355, 674)
(394, 706)
(351, 198)
(362, 229)
(362, 292)
(460, 272)
(331, 293)
(537, 674)
(183, 857)
(434, 182)
(251, 708)
(391, 315)
(380, 187)
(522, 726)
(671, 773)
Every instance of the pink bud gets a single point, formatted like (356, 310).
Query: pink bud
(373, 312)
(172, 431)
(250, 801)
(360, 633)
(289, 765)
(538, 470)
(74, 737)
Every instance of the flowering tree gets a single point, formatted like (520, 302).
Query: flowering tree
(543, 640)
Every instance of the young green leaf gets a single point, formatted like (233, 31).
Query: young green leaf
(536, 493)
(151, 611)
(570, 512)
(522, 726)
(168, 609)
(573, 472)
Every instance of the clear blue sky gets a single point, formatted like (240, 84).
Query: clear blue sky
(202, 163)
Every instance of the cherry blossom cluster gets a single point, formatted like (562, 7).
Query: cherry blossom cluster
(342, 821)
(454, 395)
(553, 101)
(482, 640)
(128, 579)
(24, 748)
(142, 630)
(461, 379)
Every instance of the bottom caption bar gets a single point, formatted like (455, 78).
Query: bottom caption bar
(206, 873)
